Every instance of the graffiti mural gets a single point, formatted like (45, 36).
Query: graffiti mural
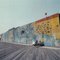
(49, 27)
(46, 30)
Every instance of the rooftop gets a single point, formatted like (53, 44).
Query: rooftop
(47, 18)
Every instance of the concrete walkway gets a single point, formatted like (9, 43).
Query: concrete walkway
(22, 52)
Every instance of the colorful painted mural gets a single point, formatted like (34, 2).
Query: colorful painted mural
(49, 27)
(46, 30)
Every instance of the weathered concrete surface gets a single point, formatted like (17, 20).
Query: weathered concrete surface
(20, 52)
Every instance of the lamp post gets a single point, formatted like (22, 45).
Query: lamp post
(44, 36)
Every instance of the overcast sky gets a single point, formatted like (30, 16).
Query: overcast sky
(15, 13)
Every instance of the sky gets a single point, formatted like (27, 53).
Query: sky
(14, 13)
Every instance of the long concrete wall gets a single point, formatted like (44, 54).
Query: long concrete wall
(23, 35)
(26, 35)
(46, 31)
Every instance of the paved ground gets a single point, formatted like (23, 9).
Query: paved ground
(20, 52)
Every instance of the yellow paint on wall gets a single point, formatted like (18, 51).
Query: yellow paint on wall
(49, 27)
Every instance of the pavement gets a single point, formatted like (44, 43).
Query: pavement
(10, 51)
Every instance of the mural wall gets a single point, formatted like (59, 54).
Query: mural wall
(49, 27)
(46, 30)
(22, 35)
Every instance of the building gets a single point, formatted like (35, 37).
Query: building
(46, 30)
(48, 27)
